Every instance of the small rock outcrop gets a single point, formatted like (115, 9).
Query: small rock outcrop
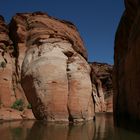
(127, 66)
(102, 82)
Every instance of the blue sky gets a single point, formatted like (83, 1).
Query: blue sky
(97, 20)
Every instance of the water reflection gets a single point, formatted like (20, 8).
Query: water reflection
(61, 132)
(101, 129)
(15, 130)
(104, 127)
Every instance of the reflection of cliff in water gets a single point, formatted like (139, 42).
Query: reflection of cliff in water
(44, 131)
(104, 126)
(28, 130)
(17, 130)
(102, 129)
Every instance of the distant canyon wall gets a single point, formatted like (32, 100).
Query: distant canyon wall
(127, 65)
(101, 76)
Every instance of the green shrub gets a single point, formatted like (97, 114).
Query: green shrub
(5, 48)
(3, 64)
(18, 105)
(29, 106)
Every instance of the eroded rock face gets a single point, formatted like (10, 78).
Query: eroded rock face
(55, 73)
(102, 81)
(5, 65)
(10, 88)
(127, 65)
(47, 56)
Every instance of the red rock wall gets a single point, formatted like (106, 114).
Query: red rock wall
(48, 57)
(5, 65)
(10, 87)
(127, 65)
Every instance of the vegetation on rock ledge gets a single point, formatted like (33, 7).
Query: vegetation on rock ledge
(18, 105)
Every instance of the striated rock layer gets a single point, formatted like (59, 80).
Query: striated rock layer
(102, 79)
(127, 65)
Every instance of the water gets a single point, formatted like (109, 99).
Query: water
(101, 129)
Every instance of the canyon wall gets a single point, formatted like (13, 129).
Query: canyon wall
(45, 59)
(11, 93)
(127, 66)
(43, 66)
(101, 76)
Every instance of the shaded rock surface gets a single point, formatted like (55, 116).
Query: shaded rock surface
(127, 65)
(102, 82)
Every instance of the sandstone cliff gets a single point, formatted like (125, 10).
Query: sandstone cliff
(45, 59)
(48, 58)
(102, 79)
(127, 65)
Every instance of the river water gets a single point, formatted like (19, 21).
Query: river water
(102, 129)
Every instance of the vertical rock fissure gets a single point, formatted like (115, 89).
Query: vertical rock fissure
(70, 118)
(15, 67)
